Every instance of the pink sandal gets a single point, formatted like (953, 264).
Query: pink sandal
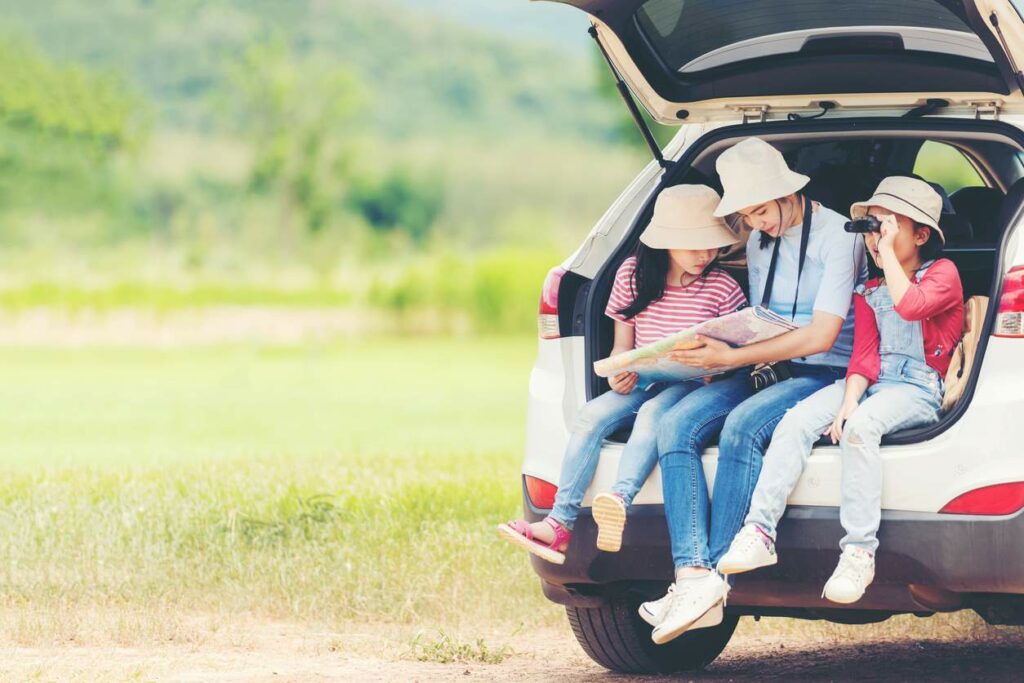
(519, 532)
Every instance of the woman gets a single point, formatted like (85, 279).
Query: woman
(803, 265)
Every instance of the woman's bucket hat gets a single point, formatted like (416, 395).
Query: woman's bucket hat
(684, 218)
(753, 172)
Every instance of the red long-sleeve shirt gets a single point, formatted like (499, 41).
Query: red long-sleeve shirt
(936, 301)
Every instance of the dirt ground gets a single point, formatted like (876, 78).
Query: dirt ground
(280, 652)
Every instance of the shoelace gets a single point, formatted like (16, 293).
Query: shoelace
(685, 600)
(748, 538)
(664, 598)
(851, 568)
(676, 606)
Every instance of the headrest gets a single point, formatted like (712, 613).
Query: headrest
(1013, 198)
(977, 200)
(956, 228)
(982, 205)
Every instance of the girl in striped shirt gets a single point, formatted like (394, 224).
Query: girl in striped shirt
(670, 283)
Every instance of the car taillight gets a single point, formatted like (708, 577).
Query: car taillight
(1000, 499)
(541, 493)
(547, 320)
(1010, 316)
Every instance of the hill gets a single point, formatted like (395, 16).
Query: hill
(427, 71)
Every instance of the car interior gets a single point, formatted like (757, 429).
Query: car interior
(846, 168)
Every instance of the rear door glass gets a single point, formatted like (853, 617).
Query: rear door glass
(693, 35)
(946, 165)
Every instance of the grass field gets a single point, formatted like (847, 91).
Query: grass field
(321, 484)
(194, 498)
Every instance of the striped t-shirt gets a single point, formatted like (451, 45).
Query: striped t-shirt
(713, 294)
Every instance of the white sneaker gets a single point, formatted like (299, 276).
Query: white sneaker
(609, 512)
(653, 611)
(853, 574)
(694, 601)
(751, 549)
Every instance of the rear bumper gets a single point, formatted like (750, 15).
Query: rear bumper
(927, 562)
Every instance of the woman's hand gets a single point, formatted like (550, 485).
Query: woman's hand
(710, 355)
(623, 382)
(835, 432)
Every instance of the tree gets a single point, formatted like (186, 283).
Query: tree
(398, 200)
(299, 116)
(60, 129)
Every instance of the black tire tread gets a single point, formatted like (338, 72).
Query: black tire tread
(617, 638)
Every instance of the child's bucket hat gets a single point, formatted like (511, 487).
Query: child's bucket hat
(684, 218)
(910, 197)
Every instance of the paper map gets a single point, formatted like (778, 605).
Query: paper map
(652, 364)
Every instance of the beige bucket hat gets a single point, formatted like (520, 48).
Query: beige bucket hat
(753, 172)
(910, 197)
(684, 219)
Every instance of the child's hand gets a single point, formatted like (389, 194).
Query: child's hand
(835, 432)
(887, 235)
(623, 382)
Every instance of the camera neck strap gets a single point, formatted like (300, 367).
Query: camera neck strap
(805, 233)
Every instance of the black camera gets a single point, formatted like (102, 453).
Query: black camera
(862, 225)
(768, 374)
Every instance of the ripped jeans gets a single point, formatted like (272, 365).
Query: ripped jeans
(908, 394)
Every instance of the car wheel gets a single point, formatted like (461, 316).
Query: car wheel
(617, 638)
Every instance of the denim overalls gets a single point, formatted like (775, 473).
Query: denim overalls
(901, 346)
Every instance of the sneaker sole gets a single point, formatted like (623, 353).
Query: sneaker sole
(713, 617)
(610, 514)
(740, 569)
(532, 547)
(844, 601)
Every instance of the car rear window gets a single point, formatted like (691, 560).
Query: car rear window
(683, 31)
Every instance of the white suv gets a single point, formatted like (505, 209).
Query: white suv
(849, 92)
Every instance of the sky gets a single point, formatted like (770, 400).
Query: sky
(549, 22)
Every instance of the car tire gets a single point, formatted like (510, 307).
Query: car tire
(617, 638)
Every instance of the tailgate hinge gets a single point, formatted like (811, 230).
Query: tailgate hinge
(750, 112)
(986, 109)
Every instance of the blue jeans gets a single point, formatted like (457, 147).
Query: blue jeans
(908, 394)
(595, 422)
(701, 532)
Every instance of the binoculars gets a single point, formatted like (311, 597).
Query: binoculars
(862, 225)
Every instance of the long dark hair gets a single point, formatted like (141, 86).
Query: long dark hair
(648, 282)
